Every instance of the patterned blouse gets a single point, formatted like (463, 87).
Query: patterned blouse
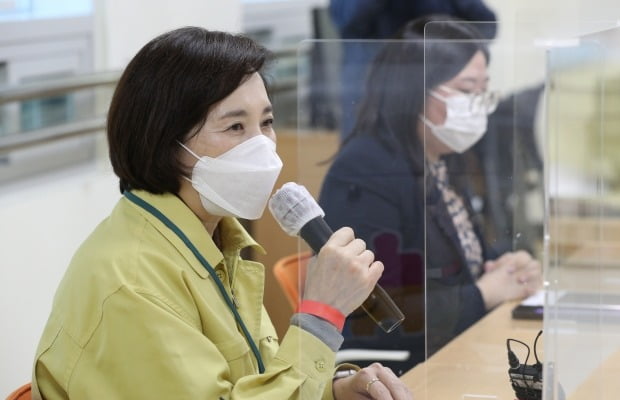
(460, 217)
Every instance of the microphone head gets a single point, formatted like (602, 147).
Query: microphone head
(293, 207)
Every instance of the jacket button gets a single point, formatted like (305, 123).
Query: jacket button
(220, 274)
(320, 365)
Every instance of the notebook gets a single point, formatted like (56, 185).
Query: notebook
(589, 306)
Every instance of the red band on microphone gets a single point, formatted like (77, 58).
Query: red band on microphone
(322, 310)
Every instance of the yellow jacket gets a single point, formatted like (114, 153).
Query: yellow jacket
(136, 316)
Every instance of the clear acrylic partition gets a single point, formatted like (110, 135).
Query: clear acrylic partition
(332, 86)
(582, 315)
(375, 184)
(483, 193)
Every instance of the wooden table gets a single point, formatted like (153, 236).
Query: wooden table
(474, 366)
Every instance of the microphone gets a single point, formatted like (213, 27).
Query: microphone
(299, 215)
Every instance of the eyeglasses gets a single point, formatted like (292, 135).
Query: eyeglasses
(484, 102)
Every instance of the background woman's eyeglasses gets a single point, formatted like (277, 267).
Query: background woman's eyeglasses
(484, 102)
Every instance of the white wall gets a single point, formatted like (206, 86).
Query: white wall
(123, 27)
(44, 219)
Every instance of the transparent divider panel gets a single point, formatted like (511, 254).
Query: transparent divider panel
(582, 312)
(480, 170)
(341, 160)
(362, 150)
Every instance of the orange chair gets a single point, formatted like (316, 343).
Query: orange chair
(22, 393)
(290, 272)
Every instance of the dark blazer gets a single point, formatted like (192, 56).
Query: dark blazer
(374, 190)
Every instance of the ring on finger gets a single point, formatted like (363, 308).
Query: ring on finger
(370, 382)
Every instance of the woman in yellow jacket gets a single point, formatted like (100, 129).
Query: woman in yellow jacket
(157, 302)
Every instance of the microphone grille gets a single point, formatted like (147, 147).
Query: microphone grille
(293, 207)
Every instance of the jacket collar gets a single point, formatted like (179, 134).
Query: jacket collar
(233, 235)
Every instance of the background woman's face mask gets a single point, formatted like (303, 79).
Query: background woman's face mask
(466, 119)
(239, 182)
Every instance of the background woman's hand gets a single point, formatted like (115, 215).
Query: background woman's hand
(512, 276)
(373, 382)
(344, 273)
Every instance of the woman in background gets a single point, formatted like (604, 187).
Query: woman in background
(401, 181)
(157, 303)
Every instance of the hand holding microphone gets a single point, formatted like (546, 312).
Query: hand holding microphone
(345, 271)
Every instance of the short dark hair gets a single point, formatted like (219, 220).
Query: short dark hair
(164, 95)
(429, 51)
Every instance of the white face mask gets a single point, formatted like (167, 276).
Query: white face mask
(466, 121)
(239, 182)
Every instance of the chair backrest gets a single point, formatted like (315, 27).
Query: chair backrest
(22, 393)
(290, 272)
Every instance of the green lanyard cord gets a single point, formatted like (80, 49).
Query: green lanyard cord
(157, 214)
